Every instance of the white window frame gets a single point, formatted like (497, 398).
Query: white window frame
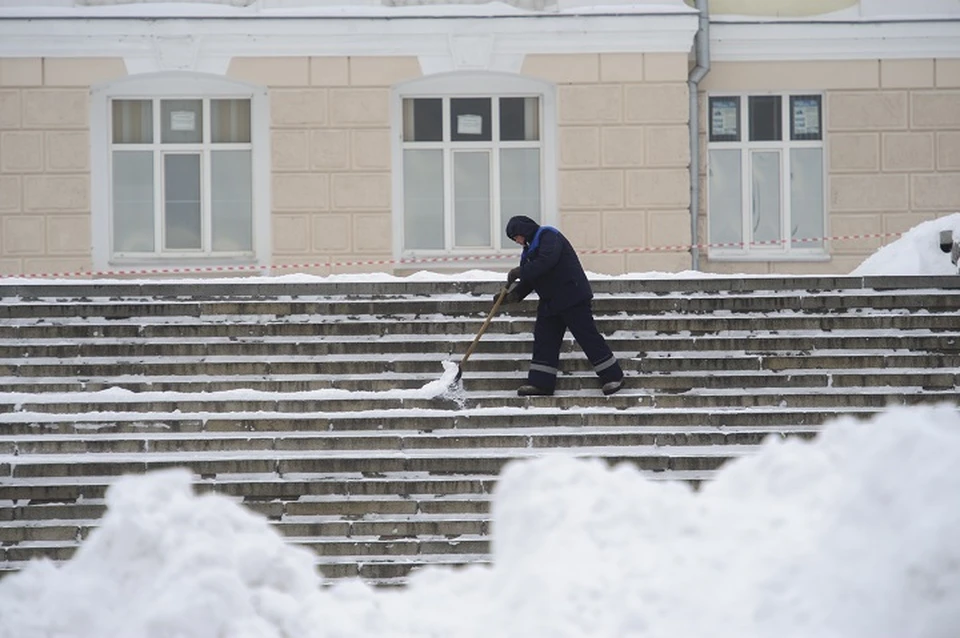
(783, 251)
(473, 84)
(177, 85)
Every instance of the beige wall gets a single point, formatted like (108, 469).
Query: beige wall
(622, 156)
(45, 162)
(623, 152)
(330, 144)
(892, 147)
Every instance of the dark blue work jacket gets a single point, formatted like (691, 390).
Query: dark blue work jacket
(550, 266)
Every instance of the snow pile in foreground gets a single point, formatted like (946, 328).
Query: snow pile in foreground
(854, 535)
(917, 252)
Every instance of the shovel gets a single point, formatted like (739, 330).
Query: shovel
(483, 328)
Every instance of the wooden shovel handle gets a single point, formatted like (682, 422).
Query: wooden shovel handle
(483, 328)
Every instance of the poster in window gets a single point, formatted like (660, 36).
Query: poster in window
(469, 124)
(806, 118)
(724, 119)
(183, 121)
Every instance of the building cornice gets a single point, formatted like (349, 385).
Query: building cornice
(126, 37)
(834, 40)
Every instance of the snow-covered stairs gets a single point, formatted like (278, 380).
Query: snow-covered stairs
(304, 401)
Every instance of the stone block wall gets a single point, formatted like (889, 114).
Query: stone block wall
(331, 158)
(623, 152)
(894, 153)
(45, 162)
(892, 148)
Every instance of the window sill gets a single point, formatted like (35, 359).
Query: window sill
(457, 261)
(193, 265)
(767, 257)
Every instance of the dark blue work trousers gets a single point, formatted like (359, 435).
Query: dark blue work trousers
(548, 338)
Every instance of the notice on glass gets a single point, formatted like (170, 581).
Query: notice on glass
(806, 117)
(469, 124)
(724, 118)
(183, 121)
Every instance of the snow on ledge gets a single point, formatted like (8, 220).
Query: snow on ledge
(21, 9)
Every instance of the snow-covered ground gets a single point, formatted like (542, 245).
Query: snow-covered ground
(855, 534)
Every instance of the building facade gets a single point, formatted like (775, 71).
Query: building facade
(144, 138)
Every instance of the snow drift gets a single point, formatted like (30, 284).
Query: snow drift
(855, 535)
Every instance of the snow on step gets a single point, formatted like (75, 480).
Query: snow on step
(376, 474)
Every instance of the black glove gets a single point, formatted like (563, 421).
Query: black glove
(510, 297)
(513, 275)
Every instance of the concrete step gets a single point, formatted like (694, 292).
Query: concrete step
(340, 308)
(383, 572)
(346, 507)
(777, 354)
(556, 437)
(237, 382)
(271, 494)
(509, 323)
(330, 550)
(383, 527)
(155, 406)
(26, 291)
(268, 487)
(404, 349)
(92, 425)
(684, 379)
(447, 461)
(512, 336)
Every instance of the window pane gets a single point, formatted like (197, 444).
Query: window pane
(471, 199)
(470, 119)
(520, 183)
(181, 121)
(805, 117)
(132, 122)
(181, 201)
(725, 119)
(423, 120)
(230, 121)
(232, 201)
(423, 199)
(806, 197)
(519, 119)
(765, 118)
(765, 192)
(133, 202)
(726, 201)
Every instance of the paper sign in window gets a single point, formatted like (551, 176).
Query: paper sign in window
(806, 118)
(183, 121)
(724, 119)
(469, 125)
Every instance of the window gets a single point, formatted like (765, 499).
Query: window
(181, 176)
(469, 161)
(180, 171)
(766, 176)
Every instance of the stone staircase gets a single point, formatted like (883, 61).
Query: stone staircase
(304, 401)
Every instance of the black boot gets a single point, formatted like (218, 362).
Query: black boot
(612, 386)
(533, 390)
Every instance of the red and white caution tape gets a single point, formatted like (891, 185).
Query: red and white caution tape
(427, 260)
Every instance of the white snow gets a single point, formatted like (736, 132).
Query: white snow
(865, 10)
(345, 9)
(856, 534)
(917, 251)
(853, 535)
